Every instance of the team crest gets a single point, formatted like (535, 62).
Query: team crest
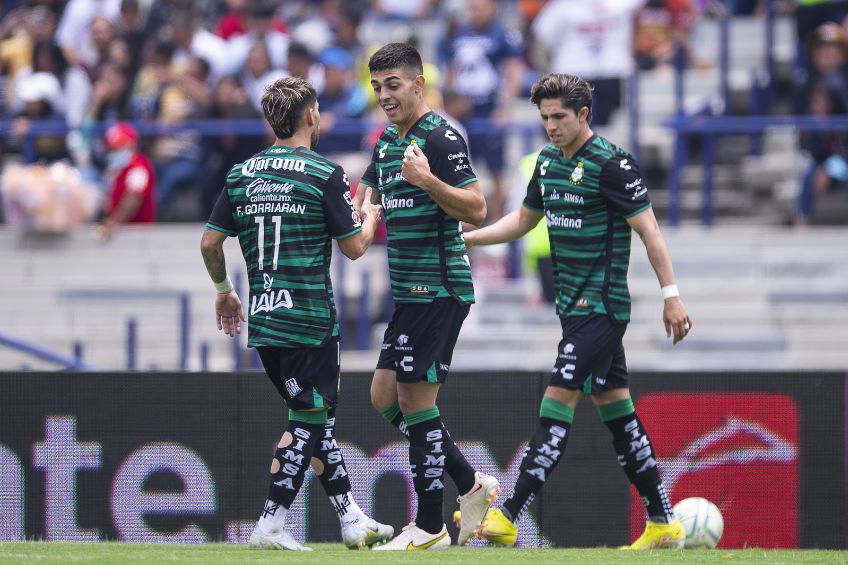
(577, 173)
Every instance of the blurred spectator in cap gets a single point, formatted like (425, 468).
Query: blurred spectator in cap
(40, 87)
(131, 199)
(75, 88)
(39, 95)
(823, 92)
(809, 15)
(342, 97)
(827, 48)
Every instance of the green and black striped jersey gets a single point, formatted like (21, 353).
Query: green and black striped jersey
(586, 200)
(285, 204)
(427, 255)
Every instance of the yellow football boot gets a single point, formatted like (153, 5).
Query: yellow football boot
(497, 528)
(660, 536)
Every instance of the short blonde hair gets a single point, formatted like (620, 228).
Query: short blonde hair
(284, 102)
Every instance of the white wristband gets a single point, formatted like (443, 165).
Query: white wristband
(670, 291)
(224, 286)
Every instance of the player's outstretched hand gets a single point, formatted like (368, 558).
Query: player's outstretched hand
(368, 209)
(470, 239)
(676, 319)
(416, 167)
(228, 313)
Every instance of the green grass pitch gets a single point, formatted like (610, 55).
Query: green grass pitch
(337, 554)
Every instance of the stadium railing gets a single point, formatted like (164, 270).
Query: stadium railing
(711, 129)
(183, 300)
(74, 363)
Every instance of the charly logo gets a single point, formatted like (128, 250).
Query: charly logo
(402, 339)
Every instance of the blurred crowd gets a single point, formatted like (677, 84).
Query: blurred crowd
(92, 63)
(821, 90)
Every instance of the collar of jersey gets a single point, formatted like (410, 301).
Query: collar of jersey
(411, 129)
(577, 153)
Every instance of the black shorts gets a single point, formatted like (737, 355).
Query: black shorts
(306, 377)
(590, 355)
(418, 344)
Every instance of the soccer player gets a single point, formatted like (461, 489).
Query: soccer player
(286, 204)
(592, 195)
(421, 171)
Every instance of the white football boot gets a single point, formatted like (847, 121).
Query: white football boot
(362, 532)
(413, 538)
(473, 506)
(281, 539)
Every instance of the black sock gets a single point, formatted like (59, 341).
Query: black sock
(334, 477)
(636, 457)
(543, 453)
(394, 416)
(456, 466)
(427, 462)
(290, 462)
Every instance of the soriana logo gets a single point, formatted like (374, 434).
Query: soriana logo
(738, 450)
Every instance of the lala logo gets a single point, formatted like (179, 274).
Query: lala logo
(270, 300)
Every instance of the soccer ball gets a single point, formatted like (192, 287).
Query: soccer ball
(701, 520)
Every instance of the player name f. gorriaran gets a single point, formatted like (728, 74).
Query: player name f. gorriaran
(277, 196)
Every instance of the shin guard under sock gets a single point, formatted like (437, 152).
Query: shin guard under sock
(636, 457)
(543, 453)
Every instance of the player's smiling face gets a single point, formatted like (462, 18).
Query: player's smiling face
(399, 93)
(563, 125)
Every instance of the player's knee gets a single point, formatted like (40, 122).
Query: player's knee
(380, 402)
(564, 396)
(610, 396)
(412, 404)
(383, 390)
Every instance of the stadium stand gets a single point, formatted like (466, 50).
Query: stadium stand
(780, 289)
(762, 298)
